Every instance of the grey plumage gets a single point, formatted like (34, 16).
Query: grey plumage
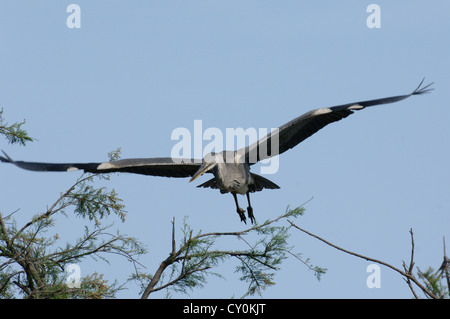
(234, 175)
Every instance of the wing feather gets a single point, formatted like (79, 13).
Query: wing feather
(294, 132)
(160, 166)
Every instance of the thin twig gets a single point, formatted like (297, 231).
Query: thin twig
(51, 211)
(403, 273)
(445, 267)
(5, 233)
(411, 265)
(173, 236)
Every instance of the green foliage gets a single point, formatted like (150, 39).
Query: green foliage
(14, 133)
(33, 264)
(433, 282)
(198, 255)
(438, 281)
(95, 203)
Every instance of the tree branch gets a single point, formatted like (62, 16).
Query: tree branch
(407, 275)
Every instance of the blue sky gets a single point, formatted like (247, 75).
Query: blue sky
(135, 71)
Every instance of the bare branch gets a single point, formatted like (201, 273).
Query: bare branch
(174, 247)
(406, 274)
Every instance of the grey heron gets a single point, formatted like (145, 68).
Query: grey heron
(231, 169)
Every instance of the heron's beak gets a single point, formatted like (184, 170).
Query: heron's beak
(202, 170)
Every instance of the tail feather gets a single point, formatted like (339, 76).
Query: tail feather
(260, 183)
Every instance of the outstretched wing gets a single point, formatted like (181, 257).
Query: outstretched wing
(302, 127)
(163, 166)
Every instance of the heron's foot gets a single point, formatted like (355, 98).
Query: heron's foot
(241, 212)
(250, 214)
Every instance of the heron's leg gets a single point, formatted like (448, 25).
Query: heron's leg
(239, 210)
(250, 209)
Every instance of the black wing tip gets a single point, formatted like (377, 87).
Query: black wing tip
(6, 159)
(422, 90)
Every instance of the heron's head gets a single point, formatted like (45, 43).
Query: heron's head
(209, 162)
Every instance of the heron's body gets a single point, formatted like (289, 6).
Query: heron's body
(231, 169)
(234, 177)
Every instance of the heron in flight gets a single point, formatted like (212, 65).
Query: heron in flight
(231, 169)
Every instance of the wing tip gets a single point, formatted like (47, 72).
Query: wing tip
(423, 90)
(7, 159)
